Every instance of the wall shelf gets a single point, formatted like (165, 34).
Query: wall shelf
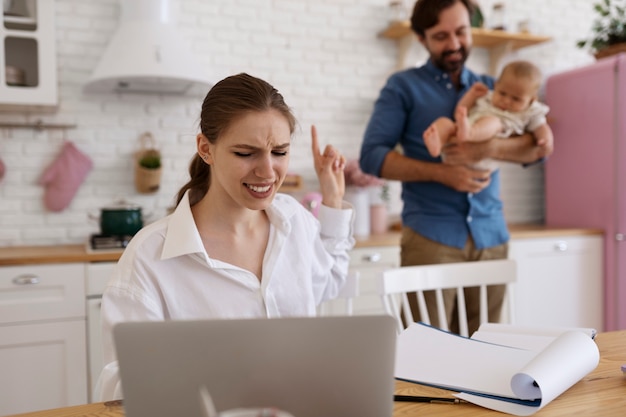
(498, 42)
(38, 125)
(20, 23)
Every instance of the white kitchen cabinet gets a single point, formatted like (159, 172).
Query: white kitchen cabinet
(28, 55)
(560, 281)
(42, 337)
(97, 277)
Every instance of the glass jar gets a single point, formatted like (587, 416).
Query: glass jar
(498, 17)
(398, 11)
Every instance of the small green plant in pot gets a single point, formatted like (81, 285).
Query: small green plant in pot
(608, 29)
(148, 171)
(147, 165)
(150, 160)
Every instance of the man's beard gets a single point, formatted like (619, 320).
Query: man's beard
(446, 65)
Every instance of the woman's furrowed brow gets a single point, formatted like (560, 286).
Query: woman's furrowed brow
(251, 147)
(283, 146)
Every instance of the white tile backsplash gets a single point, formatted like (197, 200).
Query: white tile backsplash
(323, 55)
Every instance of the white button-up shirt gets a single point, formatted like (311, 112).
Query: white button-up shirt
(166, 274)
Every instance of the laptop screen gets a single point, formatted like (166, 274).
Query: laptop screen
(309, 367)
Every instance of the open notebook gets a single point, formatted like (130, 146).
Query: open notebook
(309, 367)
(506, 372)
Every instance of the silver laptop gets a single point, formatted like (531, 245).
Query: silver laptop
(309, 367)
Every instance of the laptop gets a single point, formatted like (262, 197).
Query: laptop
(340, 366)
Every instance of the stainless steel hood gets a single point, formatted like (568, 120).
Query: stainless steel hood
(147, 55)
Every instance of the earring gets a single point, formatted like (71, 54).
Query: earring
(203, 157)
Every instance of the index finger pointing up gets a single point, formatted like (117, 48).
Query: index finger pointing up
(315, 147)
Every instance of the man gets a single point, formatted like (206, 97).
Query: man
(452, 212)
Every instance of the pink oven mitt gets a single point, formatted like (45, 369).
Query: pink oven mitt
(63, 177)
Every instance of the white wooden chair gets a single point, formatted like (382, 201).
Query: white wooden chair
(394, 284)
(346, 296)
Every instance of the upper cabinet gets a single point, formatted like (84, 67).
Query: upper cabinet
(498, 42)
(28, 54)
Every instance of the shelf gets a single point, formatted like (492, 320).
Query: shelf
(487, 38)
(292, 183)
(499, 42)
(20, 23)
(38, 125)
(397, 30)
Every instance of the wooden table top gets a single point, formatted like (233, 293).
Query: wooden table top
(601, 393)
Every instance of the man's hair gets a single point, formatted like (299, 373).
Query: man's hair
(426, 13)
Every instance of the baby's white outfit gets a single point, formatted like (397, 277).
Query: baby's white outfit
(513, 123)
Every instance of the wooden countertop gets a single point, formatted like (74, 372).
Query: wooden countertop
(517, 231)
(27, 255)
(532, 231)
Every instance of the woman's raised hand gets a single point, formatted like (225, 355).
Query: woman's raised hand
(329, 169)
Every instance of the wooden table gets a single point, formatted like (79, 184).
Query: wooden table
(601, 393)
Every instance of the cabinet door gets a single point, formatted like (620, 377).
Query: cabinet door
(43, 366)
(370, 262)
(98, 275)
(559, 281)
(28, 55)
(42, 292)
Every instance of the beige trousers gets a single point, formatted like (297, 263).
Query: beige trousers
(418, 250)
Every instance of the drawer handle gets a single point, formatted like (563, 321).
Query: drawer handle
(561, 246)
(374, 257)
(26, 279)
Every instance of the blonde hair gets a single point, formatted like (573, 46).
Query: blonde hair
(523, 69)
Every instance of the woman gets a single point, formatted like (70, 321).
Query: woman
(233, 247)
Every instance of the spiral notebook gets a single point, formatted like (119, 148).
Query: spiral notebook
(309, 367)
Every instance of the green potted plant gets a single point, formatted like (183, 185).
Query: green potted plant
(148, 166)
(608, 29)
(150, 160)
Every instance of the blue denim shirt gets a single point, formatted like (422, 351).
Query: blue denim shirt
(410, 101)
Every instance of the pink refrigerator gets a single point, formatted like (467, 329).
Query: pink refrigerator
(585, 177)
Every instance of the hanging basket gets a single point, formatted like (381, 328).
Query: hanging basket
(148, 167)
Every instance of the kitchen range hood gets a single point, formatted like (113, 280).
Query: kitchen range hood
(147, 55)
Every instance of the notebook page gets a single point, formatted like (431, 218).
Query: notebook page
(431, 356)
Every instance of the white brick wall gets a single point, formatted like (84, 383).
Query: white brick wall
(323, 55)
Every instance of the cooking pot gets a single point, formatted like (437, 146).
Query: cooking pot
(121, 219)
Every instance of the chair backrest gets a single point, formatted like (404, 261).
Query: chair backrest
(347, 295)
(394, 284)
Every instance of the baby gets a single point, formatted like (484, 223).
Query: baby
(510, 109)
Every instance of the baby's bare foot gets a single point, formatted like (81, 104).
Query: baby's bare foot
(463, 129)
(432, 141)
